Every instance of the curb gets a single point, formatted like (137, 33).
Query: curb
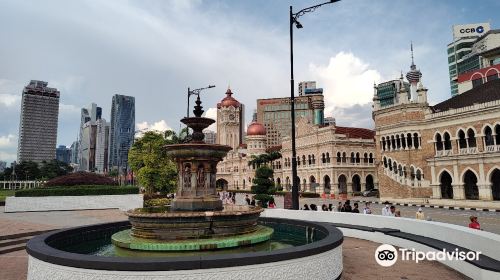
(435, 206)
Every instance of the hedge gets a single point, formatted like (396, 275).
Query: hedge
(81, 178)
(77, 191)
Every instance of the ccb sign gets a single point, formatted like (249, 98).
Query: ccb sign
(467, 30)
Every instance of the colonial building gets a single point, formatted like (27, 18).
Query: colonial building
(330, 159)
(447, 151)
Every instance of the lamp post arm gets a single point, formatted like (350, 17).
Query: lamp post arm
(310, 9)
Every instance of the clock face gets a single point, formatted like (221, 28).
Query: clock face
(231, 116)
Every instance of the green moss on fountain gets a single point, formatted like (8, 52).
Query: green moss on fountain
(123, 239)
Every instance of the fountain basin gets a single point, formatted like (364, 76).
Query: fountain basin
(80, 253)
(194, 225)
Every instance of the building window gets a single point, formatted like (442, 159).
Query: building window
(471, 138)
(462, 143)
(492, 77)
(447, 141)
(477, 82)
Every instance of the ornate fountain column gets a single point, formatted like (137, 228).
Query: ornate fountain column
(197, 166)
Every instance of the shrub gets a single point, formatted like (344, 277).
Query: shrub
(263, 186)
(309, 195)
(81, 178)
(157, 202)
(77, 191)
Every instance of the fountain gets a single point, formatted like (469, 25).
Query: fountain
(196, 219)
(197, 237)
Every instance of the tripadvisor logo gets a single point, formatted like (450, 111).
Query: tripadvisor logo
(386, 255)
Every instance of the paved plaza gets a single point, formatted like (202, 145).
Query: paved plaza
(359, 262)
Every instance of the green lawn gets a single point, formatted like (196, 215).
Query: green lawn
(4, 193)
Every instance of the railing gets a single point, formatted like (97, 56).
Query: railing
(13, 185)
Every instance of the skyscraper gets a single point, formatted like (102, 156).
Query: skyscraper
(102, 146)
(91, 114)
(459, 60)
(63, 154)
(122, 130)
(38, 123)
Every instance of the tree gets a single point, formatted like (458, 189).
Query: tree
(264, 158)
(54, 168)
(263, 186)
(148, 159)
(27, 170)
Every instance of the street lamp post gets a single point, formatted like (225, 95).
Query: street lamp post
(293, 20)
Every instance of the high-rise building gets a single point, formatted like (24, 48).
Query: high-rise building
(91, 114)
(102, 145)
(38, 124)
(88, 146)
(330, 121)
(485, 50)
(275, 114)
(459, 60)
(122, 130)
(63, 154)
(74, 151)
(230, 121)
(303, 86)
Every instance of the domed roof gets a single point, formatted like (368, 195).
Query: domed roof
(228, 100)
(256, 128)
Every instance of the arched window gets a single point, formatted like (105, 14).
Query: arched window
(398, 142)
(412, 173)
(327, 157)
(403, 142)
(395, 167)
(303, 160)
(419, 175)
(385, 162)
(352, 157)
(309, 161)
(344, 157)
(313, 159)
(393, 143)
(462, 142)
(389, 162)
(439, 142)
(370, 160)
(471, 138)
(339, 158)
(357, 158)
(408, 139)
(488, 136)
(447, 141)
(416, 142)
(383, 143)
(298, 160)
(497, 134)
(400, 170)
(365, 158)
(323, 159)
(388, 140)
(404, 172)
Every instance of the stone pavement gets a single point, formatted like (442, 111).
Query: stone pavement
(359, 261)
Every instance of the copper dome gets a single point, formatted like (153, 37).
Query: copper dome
(228, 100)
(256, 128)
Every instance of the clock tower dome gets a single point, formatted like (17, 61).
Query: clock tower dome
(230, 121)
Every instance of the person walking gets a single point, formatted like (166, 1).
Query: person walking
(306, 207)
(339, 207)
(474, 223)
(324, 207)
(392, 211)
(330, 207)
(356, 209)
(247, 199)
(272, 204)
(253, 201)
(347, 206)
(367, 209)
(420, 214)
(386, 211)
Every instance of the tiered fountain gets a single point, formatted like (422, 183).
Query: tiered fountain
(197, 220)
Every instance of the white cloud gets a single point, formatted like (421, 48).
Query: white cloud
(68, 109)
(156, 126)
(8, 141)
(9, 100)
(346, 81)
(212, 114)
(8, 157)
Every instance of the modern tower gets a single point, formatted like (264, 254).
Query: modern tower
(121, 133)
(459, 60)
(413, 76)
(38, 124)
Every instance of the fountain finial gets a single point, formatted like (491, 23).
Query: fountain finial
(198, 109)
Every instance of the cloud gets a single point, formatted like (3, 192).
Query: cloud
(346, 81)
(212, 114)
(8, 141)
(156, 126)
(68, 109)
(8, 157)
(9, 100)
(356, 116)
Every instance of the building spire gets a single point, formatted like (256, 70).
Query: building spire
(411, 47)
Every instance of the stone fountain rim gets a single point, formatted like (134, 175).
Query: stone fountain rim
(38, 248)
(195, 214)
(201, 145)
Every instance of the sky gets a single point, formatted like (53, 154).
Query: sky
(154, 50)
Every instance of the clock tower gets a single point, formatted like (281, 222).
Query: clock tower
(230, 121)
